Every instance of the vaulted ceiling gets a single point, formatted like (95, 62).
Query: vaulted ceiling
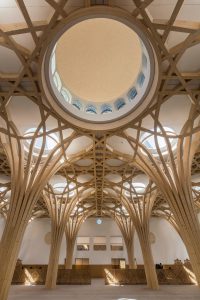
(100, 163)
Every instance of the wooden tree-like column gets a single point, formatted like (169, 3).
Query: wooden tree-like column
(171, 171)
(172, 176)
(139, 207)
(4, 199)
(59, 207)
(71, 230)
(71, 234)
(127, 229)
(29, 175)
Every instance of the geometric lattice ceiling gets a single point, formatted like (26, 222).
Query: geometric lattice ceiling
(101, 158)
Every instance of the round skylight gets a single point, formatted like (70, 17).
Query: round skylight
(136, 188)
(86, 77)
(149, 141)
(196, 188)
(99, 68)
(125, 211)
(96, 61)
(6, 193)
(195, 191)
(62, 187)
(50, 141)
(3, 189)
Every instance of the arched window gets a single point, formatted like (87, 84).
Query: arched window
(53, 64)
(141, 79)
(77, 104)
(120, 103)
(90, 108)
(66, 95)
(57, 81)
(144, 61)
(132, 94)
(106, 108)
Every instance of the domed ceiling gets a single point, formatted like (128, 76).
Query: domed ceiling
(100, 69)
(109, 84)
(98, 59)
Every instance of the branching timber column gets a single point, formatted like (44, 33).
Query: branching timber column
(127, 229)
(130, 253)
(139, 206)
(29, 174)
(70, 250)
(4, 198)
(170, 169)
(59, 206)
(71, 231)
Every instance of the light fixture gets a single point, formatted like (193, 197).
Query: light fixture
(98, 221)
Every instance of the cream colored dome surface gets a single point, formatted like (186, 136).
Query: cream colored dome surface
(99, 69)
(98, 59)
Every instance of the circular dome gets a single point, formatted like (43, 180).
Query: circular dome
(91, 56)
(99, 69)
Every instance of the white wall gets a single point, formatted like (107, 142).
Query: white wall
(107, 228)
(34, 250)
(168, 245)
(166, 249)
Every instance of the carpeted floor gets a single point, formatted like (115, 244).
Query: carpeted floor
(98, 291)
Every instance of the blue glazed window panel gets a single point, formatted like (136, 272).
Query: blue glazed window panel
(57, 81)
(132, 94)
(53, 64)
(144, 61)
(66, 95)
(141, 79)
(105, 108)
(91, 109)
(120, 103)
(77, 104)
